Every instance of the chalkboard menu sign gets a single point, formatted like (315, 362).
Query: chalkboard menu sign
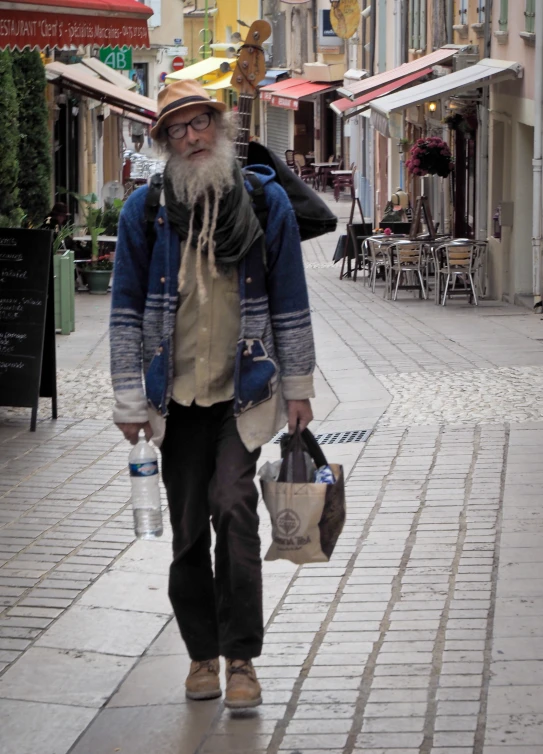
(27, 324)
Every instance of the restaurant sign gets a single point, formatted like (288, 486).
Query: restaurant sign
(285, 102)
(21, 28)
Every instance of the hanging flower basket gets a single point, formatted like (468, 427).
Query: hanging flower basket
(430, 156)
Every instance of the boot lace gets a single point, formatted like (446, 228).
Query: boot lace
(244, 669)
(204, 665)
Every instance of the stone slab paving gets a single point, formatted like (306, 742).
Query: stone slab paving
(424, 633)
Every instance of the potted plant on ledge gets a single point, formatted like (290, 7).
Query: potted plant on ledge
(98, 272)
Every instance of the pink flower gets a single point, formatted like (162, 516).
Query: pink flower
(388, 232)
(416, 163)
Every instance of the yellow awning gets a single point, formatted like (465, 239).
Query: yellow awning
(222, 83)
(197, 70)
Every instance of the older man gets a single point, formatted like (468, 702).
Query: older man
(215, 318)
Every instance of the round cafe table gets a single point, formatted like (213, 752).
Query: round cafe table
(320, 168)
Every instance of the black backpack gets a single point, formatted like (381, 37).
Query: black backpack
(314, 217)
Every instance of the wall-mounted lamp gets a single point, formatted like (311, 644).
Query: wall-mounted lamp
(432, 106)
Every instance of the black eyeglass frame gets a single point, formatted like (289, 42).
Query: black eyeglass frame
(208, 115)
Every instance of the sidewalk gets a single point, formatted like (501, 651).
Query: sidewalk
(425, 632)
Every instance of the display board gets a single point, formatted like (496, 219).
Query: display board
(27, 321)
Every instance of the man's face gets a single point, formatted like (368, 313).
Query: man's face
(195, 145)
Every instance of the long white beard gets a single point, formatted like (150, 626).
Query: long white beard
(205, 183)
(214, 175)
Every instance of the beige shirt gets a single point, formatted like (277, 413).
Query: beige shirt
(206, 336)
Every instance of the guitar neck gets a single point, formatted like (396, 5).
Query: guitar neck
(245, 108)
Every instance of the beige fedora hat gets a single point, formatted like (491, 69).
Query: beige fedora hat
(178, 96)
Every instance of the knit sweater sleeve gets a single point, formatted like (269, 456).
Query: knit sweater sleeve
(288, 297)
(130, 281)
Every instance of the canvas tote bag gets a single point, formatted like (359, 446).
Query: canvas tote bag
(307, 518)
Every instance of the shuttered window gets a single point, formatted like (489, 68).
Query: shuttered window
(529, 13)
(504, 15)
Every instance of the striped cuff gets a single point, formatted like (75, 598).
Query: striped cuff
(298, 388)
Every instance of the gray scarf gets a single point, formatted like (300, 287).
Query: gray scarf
(237, 226)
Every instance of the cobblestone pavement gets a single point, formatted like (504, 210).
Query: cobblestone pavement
(423, 635)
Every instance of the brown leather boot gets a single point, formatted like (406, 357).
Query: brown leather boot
(203, 680)
(242, 687)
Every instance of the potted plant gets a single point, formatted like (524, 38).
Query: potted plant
(430, 156)
(98, 272)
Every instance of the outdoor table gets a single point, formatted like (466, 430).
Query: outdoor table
(320, 168)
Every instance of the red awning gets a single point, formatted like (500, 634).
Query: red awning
(267, 92)
(70, 23)
(289, 96)
(342, 106)
(380, 79)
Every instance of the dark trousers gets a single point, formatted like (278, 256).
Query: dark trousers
(208, 473)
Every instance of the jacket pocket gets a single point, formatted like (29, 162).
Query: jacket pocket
(253, 376)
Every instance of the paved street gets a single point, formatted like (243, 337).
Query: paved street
(424, 633)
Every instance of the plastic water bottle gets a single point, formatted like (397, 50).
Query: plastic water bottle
(143, 465)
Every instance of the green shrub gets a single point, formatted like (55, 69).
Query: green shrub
(9, 133)
(34, 141)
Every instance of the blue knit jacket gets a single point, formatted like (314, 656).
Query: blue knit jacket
(275, 342)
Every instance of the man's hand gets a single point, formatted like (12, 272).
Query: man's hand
(131, 431)
(299, 412)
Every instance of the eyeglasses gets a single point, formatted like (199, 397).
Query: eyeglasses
(199, 123)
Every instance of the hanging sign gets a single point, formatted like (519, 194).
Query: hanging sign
(345, 17)
(116, 57)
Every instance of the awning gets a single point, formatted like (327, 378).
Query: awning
(380, 79)
(60, 23)
(485, 72)
(131, 116)
(107, 73)
(98, 89)
(288, 93)
(199, 69)
(222, 83)
(268, 91)
(347, 107)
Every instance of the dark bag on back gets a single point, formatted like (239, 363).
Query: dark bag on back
(314, 216)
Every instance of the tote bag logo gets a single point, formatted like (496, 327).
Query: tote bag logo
(288, 523)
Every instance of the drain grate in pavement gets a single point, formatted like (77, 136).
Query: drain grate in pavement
(337, 438)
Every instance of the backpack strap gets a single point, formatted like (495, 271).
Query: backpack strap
(258, 198)
(152, 205)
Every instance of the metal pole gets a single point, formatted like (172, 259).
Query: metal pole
(206, 27)
(482, 202)
(538, 156)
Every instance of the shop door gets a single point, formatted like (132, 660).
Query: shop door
(303, 128)
(465, 184)
(278, 130)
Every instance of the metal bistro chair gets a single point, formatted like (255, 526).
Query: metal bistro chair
(459, 262)
(379, 260)
(407, 257)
